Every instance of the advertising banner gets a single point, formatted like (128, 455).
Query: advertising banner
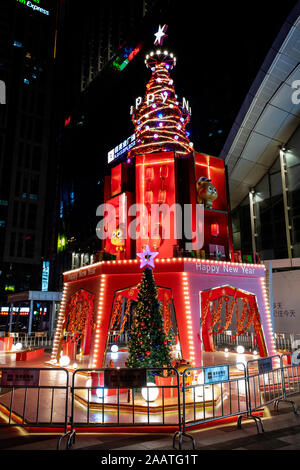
(286, 302)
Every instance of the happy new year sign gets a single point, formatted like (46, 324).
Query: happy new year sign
(221, 268)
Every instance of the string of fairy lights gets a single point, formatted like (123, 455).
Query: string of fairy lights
(160, 122)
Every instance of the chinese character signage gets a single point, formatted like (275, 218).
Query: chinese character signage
(121, 149)
(20, 377)
(286, 302)
(265, 365)
(216, 374)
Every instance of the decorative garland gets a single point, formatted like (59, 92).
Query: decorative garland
(251, 313)
(116, 315)
(206, 310)
(126, 314)
(78, 309)
(248, 312)
(167, 314)
(216, 314)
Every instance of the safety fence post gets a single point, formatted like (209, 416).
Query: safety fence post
(24, 392)
(290, 382)
(124, 398)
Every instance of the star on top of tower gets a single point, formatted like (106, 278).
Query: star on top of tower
(160, 35)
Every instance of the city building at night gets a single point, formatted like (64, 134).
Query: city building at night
(26, 69)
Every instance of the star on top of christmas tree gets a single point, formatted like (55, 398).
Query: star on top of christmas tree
(160, 35)
(147, 257)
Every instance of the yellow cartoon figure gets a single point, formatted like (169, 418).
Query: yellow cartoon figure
(206, 192)
(181, 366)
(118, 239)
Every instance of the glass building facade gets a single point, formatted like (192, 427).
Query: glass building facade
(276, 209)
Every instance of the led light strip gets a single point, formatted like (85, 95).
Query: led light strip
(188, 317)
(268, 315)
(171, 141)
(60, 322)
(191, 260)
(99, 321)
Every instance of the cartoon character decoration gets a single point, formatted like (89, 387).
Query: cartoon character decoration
(206, 192)
(181, 366)
(118, 238)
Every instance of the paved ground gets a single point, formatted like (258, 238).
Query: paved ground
(282, 432)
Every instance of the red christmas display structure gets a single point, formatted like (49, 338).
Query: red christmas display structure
(202, 290)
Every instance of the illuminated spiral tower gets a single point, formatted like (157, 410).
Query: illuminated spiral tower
(160, 120)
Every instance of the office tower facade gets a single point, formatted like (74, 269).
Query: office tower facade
(27, 50)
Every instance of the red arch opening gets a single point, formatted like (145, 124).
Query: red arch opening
(228, 296)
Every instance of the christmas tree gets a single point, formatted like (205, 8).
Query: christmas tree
(148, 345)
(160, 121)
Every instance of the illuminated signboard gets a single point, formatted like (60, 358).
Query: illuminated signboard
(45, 276)
(61, 242)
(120, 149)
(216, 374)
(34, 5)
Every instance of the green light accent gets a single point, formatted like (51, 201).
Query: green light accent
(61, 243)
(126, 62)
(116, 63)
(9, 288)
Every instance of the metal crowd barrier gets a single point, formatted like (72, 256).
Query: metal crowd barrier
(130, 405)
(210, 394)
(112, 398)
(227, 390)
(265, 383)
(35, 397)
(33, 341)
(290, 380)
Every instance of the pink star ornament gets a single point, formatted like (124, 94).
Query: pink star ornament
(147, 257)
